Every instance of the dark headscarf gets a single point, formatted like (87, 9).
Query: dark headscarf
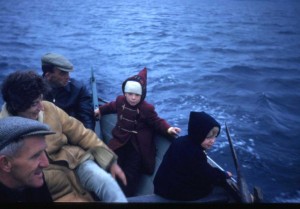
(200, 124)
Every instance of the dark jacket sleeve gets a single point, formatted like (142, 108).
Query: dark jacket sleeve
(85, 112)
(210, 174)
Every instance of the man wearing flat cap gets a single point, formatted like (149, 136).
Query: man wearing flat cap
(69, 94)
(22, 160)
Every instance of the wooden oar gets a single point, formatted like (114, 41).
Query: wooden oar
(95, 102)
(242, 185)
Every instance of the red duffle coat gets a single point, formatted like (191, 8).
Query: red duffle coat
(147, 123)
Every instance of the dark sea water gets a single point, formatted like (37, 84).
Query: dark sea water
(238, 60)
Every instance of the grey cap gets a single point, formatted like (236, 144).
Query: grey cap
(13, 128)
(58, 61)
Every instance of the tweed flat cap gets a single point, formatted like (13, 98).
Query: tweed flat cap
(58, 61)
(13, 128)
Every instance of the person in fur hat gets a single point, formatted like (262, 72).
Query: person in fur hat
(133, 135)
(184, 173)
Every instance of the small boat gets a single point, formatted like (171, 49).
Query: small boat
(235, 191)
(230, 194)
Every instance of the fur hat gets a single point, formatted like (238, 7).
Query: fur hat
(13, 128)
(57, 61)
(200, 124)
(140, 78)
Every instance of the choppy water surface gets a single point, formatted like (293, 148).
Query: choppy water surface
(237, 60)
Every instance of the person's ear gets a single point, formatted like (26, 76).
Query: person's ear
(5, 163)
(47, 75)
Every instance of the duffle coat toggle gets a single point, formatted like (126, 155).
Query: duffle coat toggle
(128, 119)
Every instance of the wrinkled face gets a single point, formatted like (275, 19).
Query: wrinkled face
(58, 78)
(27, 166)
(133, 99)
(33, 111)
(210, 138)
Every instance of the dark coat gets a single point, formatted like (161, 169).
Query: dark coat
(147, 123)
(41, 195)
(184, 173)
(74, 99)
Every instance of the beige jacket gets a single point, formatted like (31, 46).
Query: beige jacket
(66, 149)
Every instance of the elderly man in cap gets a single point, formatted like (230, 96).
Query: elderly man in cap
(67, 93)
(22, 160)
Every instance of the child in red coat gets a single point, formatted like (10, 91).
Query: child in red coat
(133, 135)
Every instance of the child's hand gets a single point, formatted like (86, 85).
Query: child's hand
(174, 131)
(117, 172)
(97, 113)
(229, 174)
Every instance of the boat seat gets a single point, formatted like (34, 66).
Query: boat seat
(145, 186)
